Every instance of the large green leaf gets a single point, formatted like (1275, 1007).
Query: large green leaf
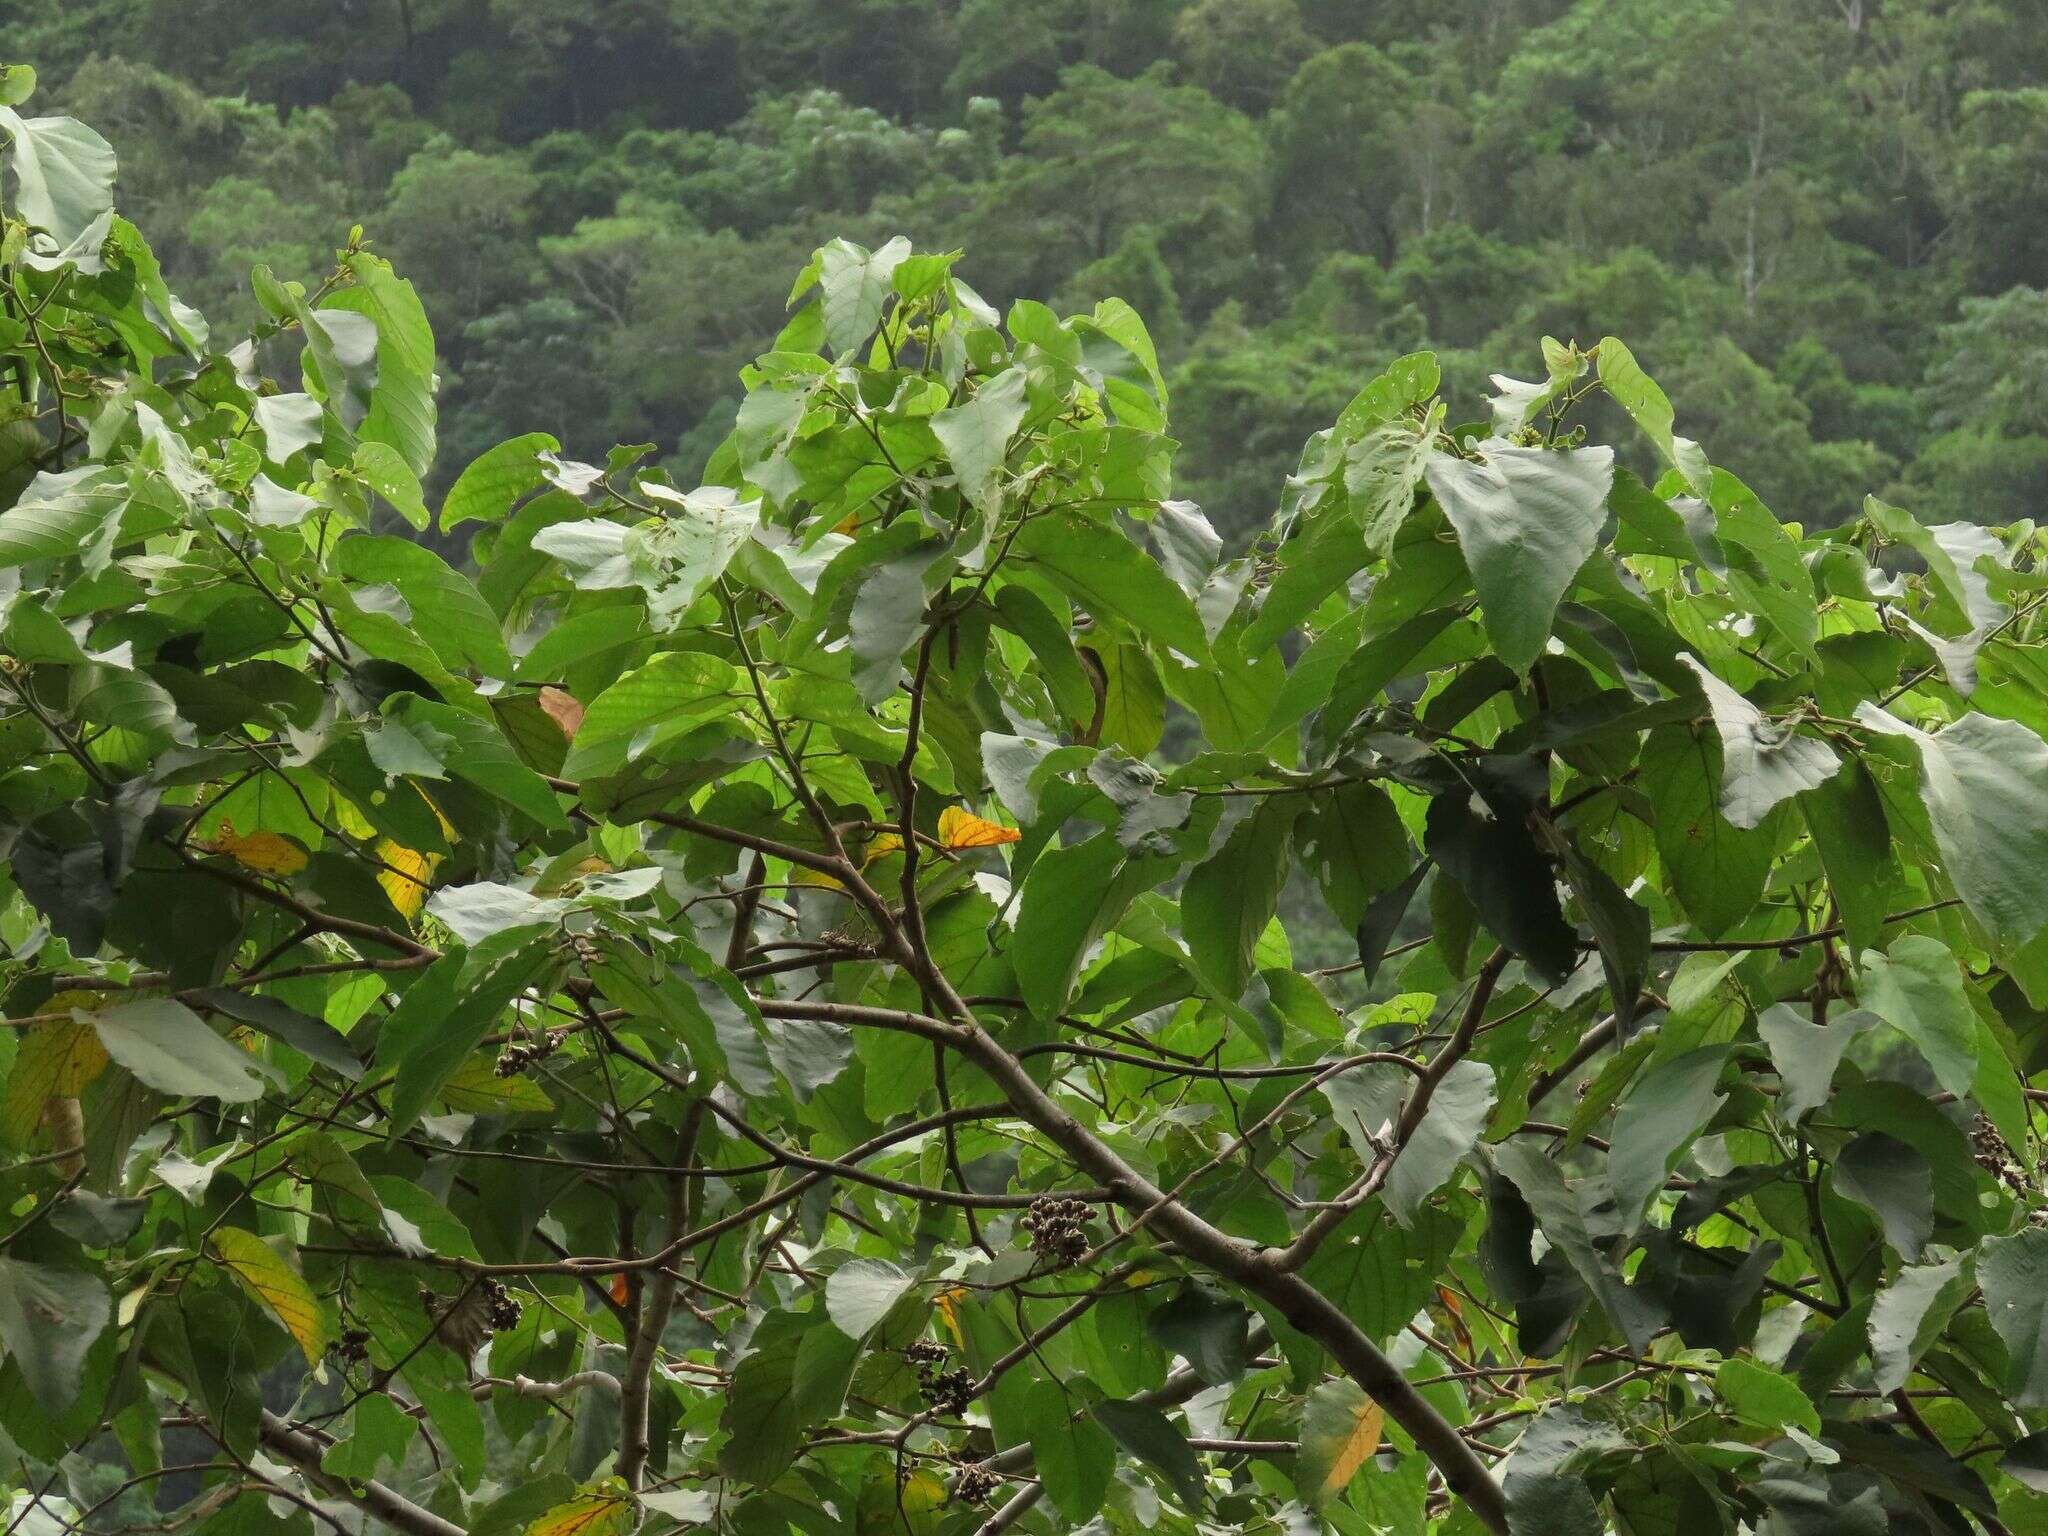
(2013, 1272)
(1657, 1120)
(1983, 782)
(1527, 519)
(63, 173)
(167, 1045)
(49, 1318)
(1763, 761)
(1072, 1455)
(1917, 988)
(1093, 563)
(1149, 1435)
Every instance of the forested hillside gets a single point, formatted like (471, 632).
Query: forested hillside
(1824, 223)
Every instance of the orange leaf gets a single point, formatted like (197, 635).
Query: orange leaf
(963, 829)
(564, 709)
(620, 1290)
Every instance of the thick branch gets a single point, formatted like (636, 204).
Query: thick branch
(395, 1510)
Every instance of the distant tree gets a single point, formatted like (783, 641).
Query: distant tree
(2000, 190)
(1103, 156)
(1242, 51)
(1340, 134)
(461, 221)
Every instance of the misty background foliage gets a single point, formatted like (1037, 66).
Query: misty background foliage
(1822, 223)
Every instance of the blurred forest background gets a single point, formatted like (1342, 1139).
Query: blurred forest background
(1822, 224)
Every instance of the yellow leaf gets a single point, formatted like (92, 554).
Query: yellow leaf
(947, 1303)
(54, 1061)
(407, 876)
(598, 1511)
(964, 829)
(803, 875)
(268, 853)
(271, 1279)
(1340, 1431)
(476, 1089)
(881, 846)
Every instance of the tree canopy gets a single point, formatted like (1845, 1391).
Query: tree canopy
(711, 1007)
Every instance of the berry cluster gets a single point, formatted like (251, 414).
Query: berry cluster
(500, 1310)
(521, 1054)
(353, 1347)
(946, 1393)
(975, 1484)
(1995, 1156)
(1058, 1228)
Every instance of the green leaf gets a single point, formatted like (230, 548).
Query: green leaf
(49, 1318)
(1806, 1054)
(2013, 1273)
(1229, 899)
(441, 1019)
(63, 173)
(493, 481)
(1763, 761)
(888, 613)
(1657, 1121)
(1209, 1331)
(312, 1038)
(1483, 841)
(1909, 1315)
(1952, 552)
(1758, 1395)
(401, 402)
(1070, 899)
(447, 611)
(385, 471)
(1558, 1213)
(1846, 818)
(1448, 1130)
(482, 911)
(1716, 870)
(1527, 519)
(1648, 406)
(1072, 1456)
(380, 1432)
(1983, 782)
(976, 436)
(861, 1292)
(1150, 1436)
(856, 285)
(166, 1045)
(1095, 565)
(1892, 1181)
(1917, 988)
(1340, 1431)
(61, 514)
(290, 423)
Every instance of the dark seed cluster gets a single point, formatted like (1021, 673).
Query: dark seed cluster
(975, 1485)
(1059, 1228)
(947, 1393)
(353, 1347)
(521, 1054)
(500, 1310)
(1995, 1156)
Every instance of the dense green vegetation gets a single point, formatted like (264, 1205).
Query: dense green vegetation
(710, 1011)
(1822, 223)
